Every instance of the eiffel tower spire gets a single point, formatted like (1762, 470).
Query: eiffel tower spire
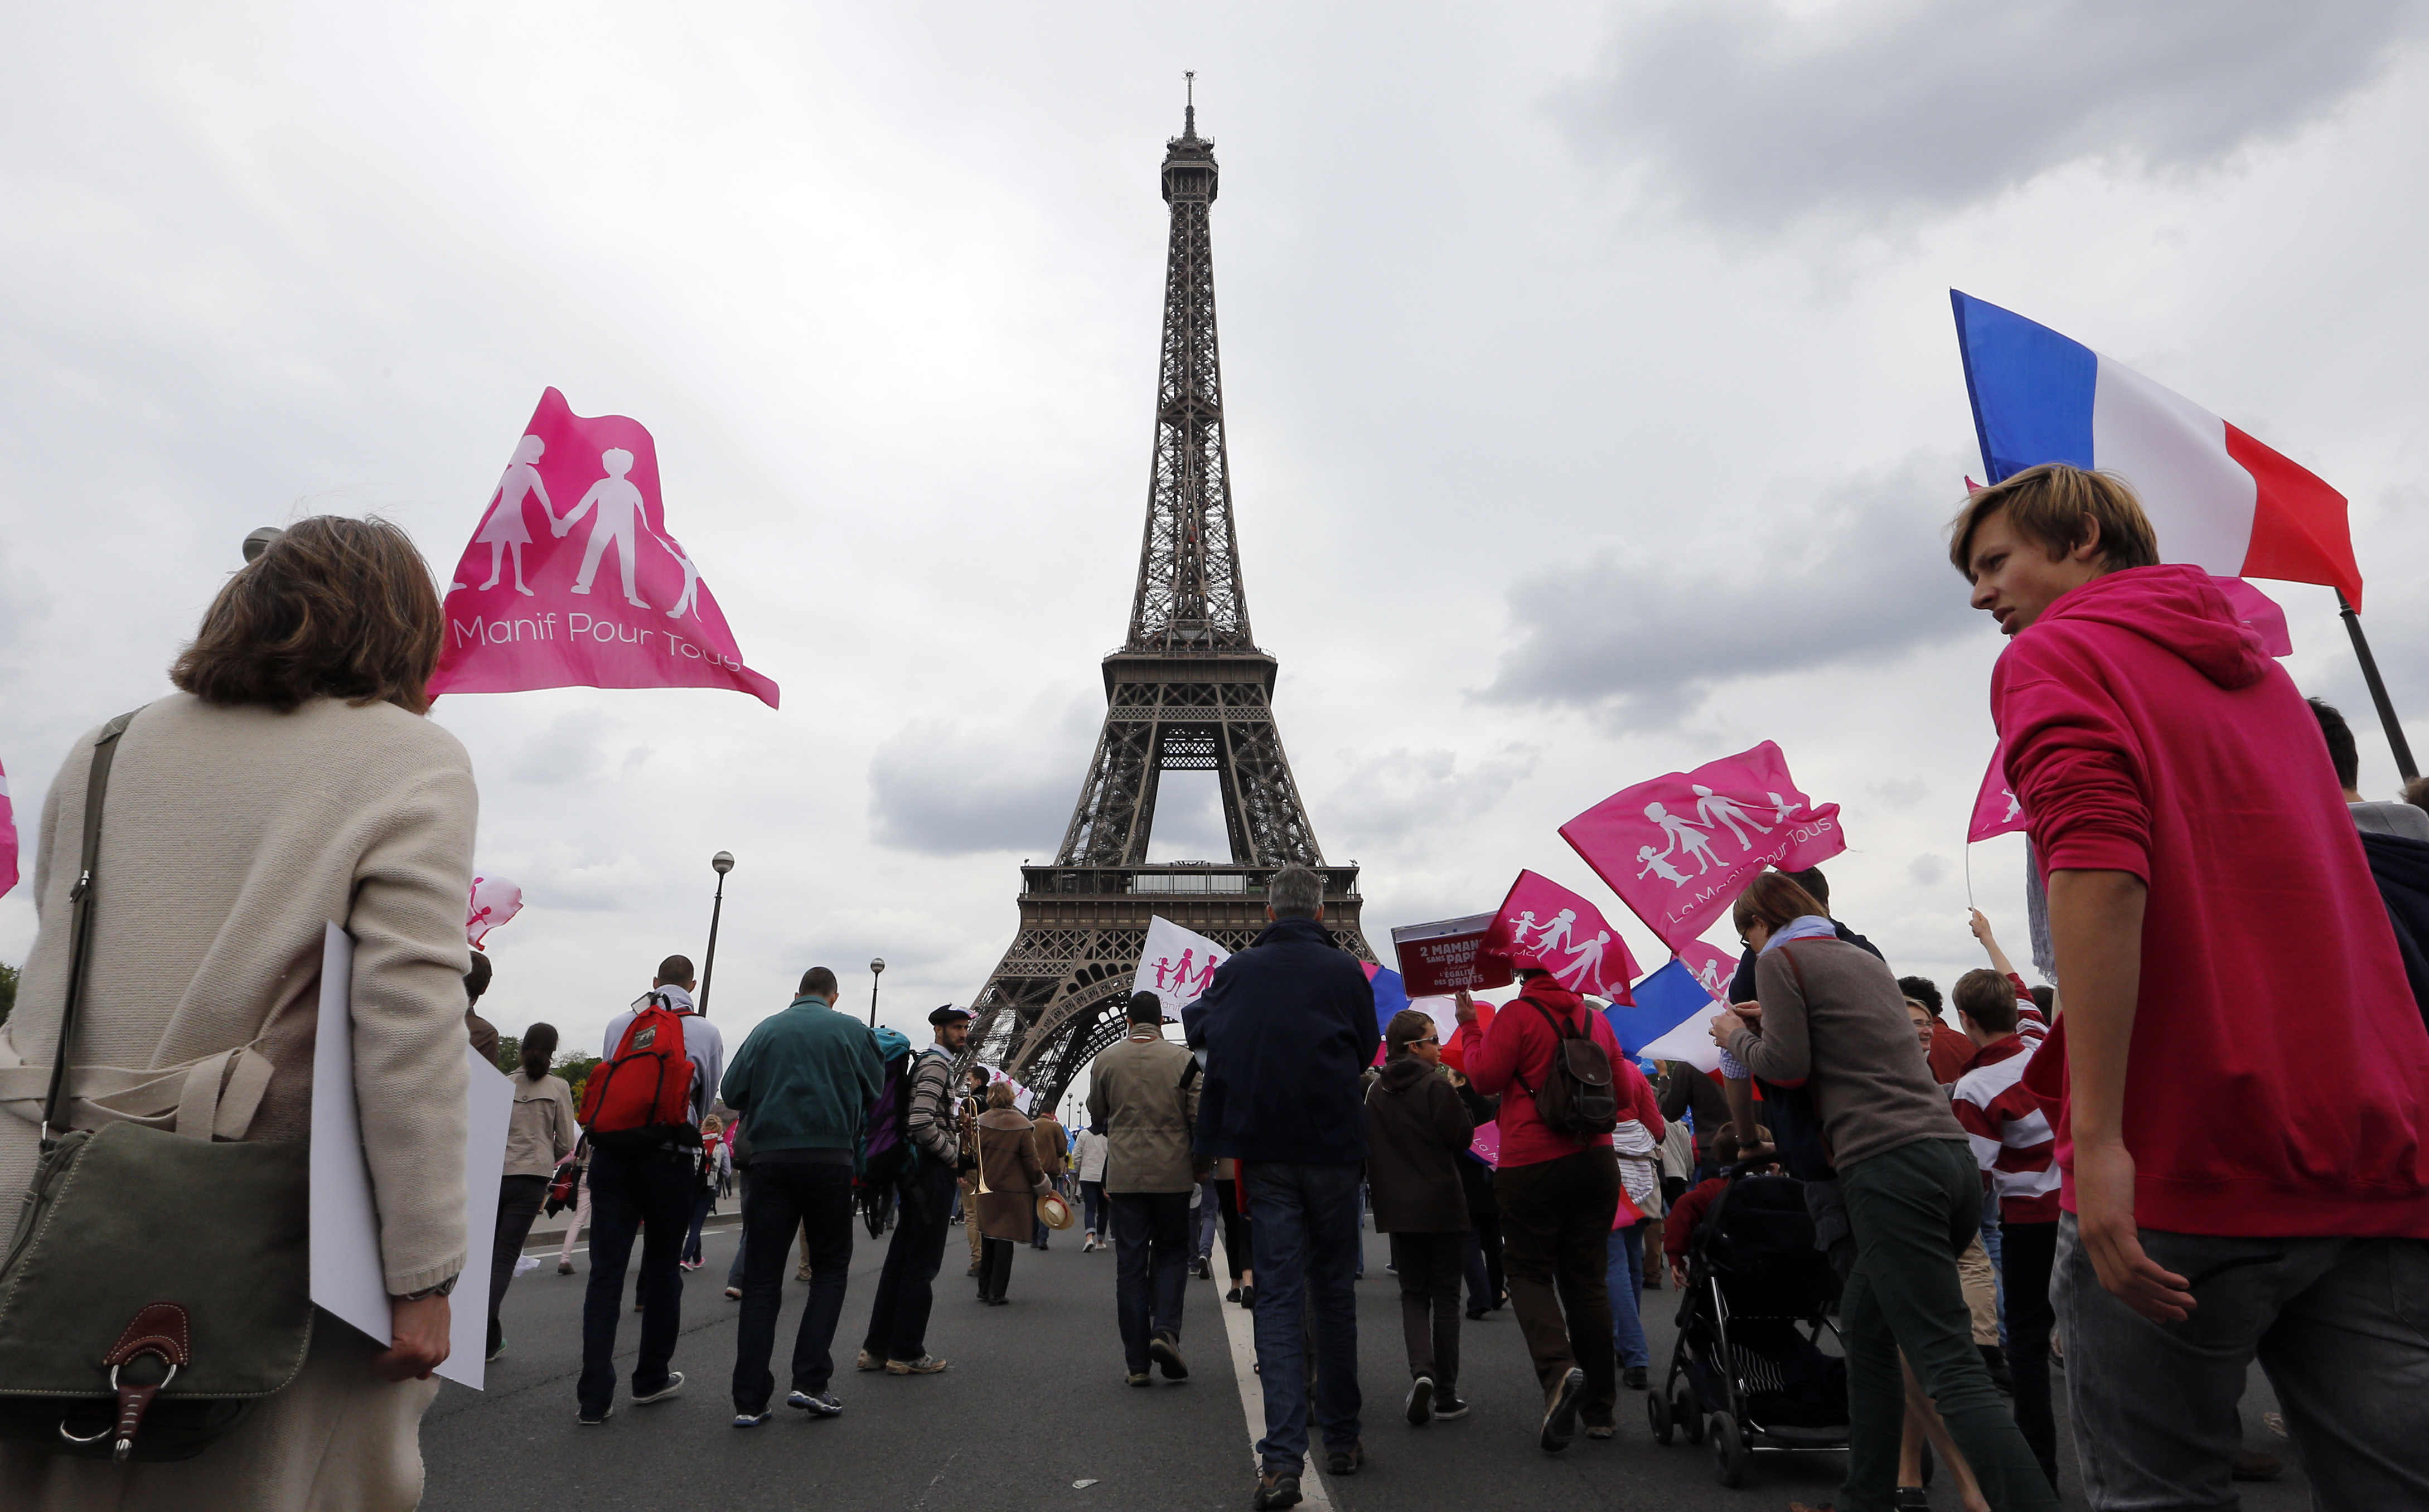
(1189, 690)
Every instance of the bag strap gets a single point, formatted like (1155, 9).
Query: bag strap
(96, 787)
(1560, 1029)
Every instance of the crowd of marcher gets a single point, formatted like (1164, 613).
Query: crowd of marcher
(2207, 1149)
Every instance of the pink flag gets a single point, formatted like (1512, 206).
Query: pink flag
(2259, 614)
(7, 837)
(606, 598)
(1997, 811)
(1713, 968)
(1545, 926)
(1677, 850)
(495, 900)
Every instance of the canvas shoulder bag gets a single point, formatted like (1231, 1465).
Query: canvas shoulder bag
(159, 1283)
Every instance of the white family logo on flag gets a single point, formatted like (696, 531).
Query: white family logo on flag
(1693, 840)
(1177, 964)
(1584, 970)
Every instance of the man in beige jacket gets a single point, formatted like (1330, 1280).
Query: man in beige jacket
(1144, 1094)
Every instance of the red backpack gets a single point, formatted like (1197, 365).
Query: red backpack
(641, 1096)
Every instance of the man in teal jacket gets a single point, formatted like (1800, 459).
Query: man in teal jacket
(804, 1083)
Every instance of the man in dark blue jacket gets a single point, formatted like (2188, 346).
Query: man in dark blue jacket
(1287, 1028)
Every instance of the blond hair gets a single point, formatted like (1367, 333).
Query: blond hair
(2056, 507)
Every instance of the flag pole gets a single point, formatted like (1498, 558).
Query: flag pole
(2404, 765)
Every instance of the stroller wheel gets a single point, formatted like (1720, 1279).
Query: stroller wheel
(1729, 1449)
(1687, 1413)
(1657, 1411)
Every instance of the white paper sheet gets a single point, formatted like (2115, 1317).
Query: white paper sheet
(348, 1279)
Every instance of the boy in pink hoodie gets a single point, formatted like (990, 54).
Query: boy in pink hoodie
(2240, 1079)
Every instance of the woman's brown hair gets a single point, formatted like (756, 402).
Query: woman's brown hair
(1000, 1096)
(335, 608)
(1774, 900)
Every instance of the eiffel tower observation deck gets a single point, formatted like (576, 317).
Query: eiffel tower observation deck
(1189, 691)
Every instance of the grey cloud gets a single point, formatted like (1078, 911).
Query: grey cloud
(1646, 633)
(1401, 799)
(1924, 871)
(942, 788)
(1759, 113)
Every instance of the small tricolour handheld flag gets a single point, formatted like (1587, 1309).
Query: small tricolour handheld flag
(1679, 848)
(2219, 498)
(602, 595)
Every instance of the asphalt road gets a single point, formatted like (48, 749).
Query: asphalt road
(1035, 1403)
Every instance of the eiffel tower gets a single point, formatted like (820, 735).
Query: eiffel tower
(1188, 690)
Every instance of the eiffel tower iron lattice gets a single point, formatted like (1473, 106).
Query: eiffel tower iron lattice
(1188, 690)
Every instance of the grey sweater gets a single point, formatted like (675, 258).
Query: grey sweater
(1834, 1021)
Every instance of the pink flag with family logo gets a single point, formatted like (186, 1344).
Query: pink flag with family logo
(7, 837)
(1677, 850)
(1713, 969)
(1544, 927)
(599, 595)
(1997, 811)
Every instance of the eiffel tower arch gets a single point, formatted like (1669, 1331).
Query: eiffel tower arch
(1189, 691)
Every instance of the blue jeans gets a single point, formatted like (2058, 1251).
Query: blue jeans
(699, 1207)
(1626, 1278)
(1303, 1229)
(647, 1192)
(2341, 1326)
(1151, 1256)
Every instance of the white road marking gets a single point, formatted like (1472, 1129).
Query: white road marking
(1240, 1327)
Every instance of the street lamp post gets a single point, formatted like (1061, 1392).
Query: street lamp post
(876, 969)
(721, 864)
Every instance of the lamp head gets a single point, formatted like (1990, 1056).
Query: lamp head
(877, 966)
(721, 863)
(259, 541)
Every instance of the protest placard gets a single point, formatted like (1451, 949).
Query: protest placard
(1177, 964)
(1443, 956)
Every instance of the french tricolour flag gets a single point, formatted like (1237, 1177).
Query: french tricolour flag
(2219, 499)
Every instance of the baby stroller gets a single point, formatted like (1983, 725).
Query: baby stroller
(1749, 1374)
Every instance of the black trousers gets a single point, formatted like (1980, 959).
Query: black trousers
(1556, 1218)
(1236, 1229)
(1485, 1282)
(995, 1268)
(1431, 1267)
(519, 1204)
(2029, 1251)
(782, 1197)
(906, 1288)
(1151, 1256)
(643, 1193)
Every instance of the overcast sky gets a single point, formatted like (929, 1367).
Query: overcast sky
(1595, 404)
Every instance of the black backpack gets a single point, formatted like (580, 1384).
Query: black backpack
(1578, 1098)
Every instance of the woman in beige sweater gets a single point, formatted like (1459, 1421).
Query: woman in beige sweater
(292, 782)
